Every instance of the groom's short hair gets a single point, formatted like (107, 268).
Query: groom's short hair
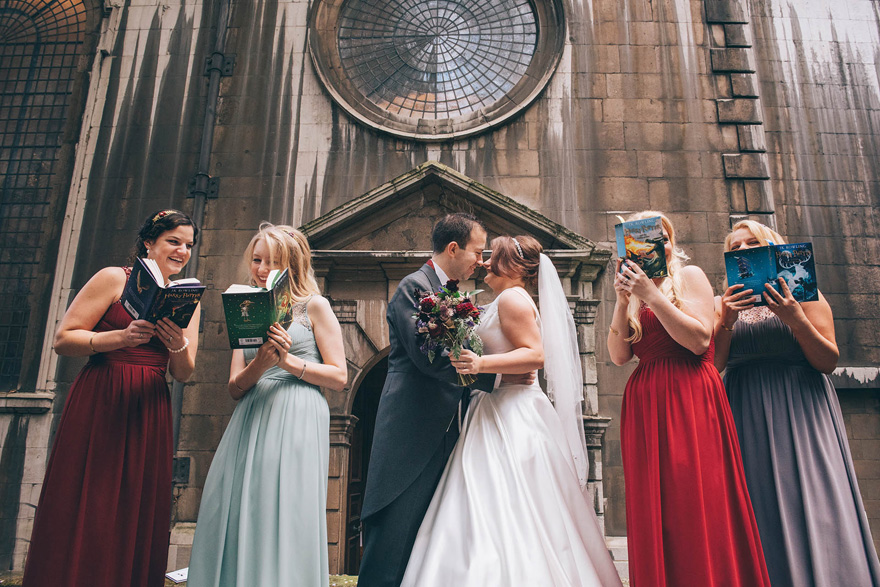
(454, 227)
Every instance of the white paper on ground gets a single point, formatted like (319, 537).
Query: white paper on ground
(178, 576)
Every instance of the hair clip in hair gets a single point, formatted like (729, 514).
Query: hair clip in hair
(518, 248)
(162, 214)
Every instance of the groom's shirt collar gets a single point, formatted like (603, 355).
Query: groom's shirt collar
(441, 275)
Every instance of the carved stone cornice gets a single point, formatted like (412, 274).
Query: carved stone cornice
(594, 430)
(341, 429)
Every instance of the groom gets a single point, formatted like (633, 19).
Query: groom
(418, 419)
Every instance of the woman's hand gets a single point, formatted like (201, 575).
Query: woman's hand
(734, 303)
(636, 282)
(171, 334)
(467, 363)
(619, 289)
(267, 356)
(279, 338)
(785, 306)
(138, 332)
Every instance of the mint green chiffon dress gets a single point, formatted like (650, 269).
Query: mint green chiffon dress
(262, 517)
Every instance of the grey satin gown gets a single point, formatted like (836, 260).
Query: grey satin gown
(799, 471)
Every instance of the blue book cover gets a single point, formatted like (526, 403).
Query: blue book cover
(145, 299)
(752, 268)
(797, 266)
(755, 267)
(641, 241)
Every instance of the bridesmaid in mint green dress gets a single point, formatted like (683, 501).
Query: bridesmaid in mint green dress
(262, 518)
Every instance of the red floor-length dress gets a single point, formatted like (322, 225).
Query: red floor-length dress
(103, 517)
(689, 518)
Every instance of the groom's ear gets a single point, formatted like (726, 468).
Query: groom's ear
(451, 248)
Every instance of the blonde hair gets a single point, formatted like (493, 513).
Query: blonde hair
(672, 286)
(763, 233)
(288, 248)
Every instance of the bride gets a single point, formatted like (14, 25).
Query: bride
(512, 506)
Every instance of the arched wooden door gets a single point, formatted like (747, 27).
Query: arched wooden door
(365, 406)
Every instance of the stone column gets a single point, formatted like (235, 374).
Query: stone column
(341, 429)
(594, 424)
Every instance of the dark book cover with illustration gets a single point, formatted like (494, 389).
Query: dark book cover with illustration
(146, 298)
(250, 311)
(641, 241)
(755, 267)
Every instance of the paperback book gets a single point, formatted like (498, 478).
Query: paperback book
(250, 311)
(642, 242)
(755, 267)
(146, 297)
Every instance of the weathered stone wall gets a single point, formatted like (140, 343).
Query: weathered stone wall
(629, 121)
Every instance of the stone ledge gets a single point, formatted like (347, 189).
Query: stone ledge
(726, 11)
(751, 138)
(856, 377)
(13, 402)
(745, 165)
(737, 35)
(732, 59)
(744, 85)
(739, 111)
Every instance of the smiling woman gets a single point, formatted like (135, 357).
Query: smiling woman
(106, 497)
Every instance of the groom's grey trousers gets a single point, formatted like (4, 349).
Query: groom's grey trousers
(393, 529)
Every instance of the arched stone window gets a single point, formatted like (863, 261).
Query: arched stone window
(40, 45)
(439, 69)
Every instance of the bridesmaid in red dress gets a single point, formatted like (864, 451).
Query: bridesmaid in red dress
(689, 518)
(104, 512)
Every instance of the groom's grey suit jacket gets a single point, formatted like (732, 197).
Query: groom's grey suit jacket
(419, 400)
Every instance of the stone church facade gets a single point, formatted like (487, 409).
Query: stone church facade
(362, 121)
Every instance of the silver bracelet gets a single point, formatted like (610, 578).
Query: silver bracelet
(181, 349)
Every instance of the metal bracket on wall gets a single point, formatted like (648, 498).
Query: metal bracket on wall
(180, 471)
(222, 63)
(203, 183)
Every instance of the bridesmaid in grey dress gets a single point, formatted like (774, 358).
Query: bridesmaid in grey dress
(799, 471)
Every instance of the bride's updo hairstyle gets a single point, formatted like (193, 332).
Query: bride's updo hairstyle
(519, 257)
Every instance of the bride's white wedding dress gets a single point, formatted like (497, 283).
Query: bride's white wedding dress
(509, 509)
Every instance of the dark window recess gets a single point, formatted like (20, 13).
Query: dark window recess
(39, 46)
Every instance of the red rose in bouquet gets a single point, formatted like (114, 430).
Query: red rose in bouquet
(446, 320)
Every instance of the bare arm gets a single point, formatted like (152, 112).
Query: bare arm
(811, 323)
(619, 348)
(181, 364)
(517, 317)
(242, 377)
(692, 325)
(75, 336)
(333, 372)
(727, 309)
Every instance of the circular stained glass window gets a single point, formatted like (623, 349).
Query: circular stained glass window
(436, 69)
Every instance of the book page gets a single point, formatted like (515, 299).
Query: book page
(239, 288)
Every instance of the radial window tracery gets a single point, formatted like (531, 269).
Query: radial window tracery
(435, 69)
(436, 59)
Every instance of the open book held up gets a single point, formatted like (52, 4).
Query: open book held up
(642, 242)
(755, 267)
(250, 311)
(146, 297)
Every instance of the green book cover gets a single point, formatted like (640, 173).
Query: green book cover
(250, 311)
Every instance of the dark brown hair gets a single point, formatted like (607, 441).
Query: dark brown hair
(507, 261)
(157, 223)
(456, 227)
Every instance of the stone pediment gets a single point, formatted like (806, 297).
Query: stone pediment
(396, 217)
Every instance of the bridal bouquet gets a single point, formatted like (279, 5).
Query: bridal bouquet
(446, 320)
